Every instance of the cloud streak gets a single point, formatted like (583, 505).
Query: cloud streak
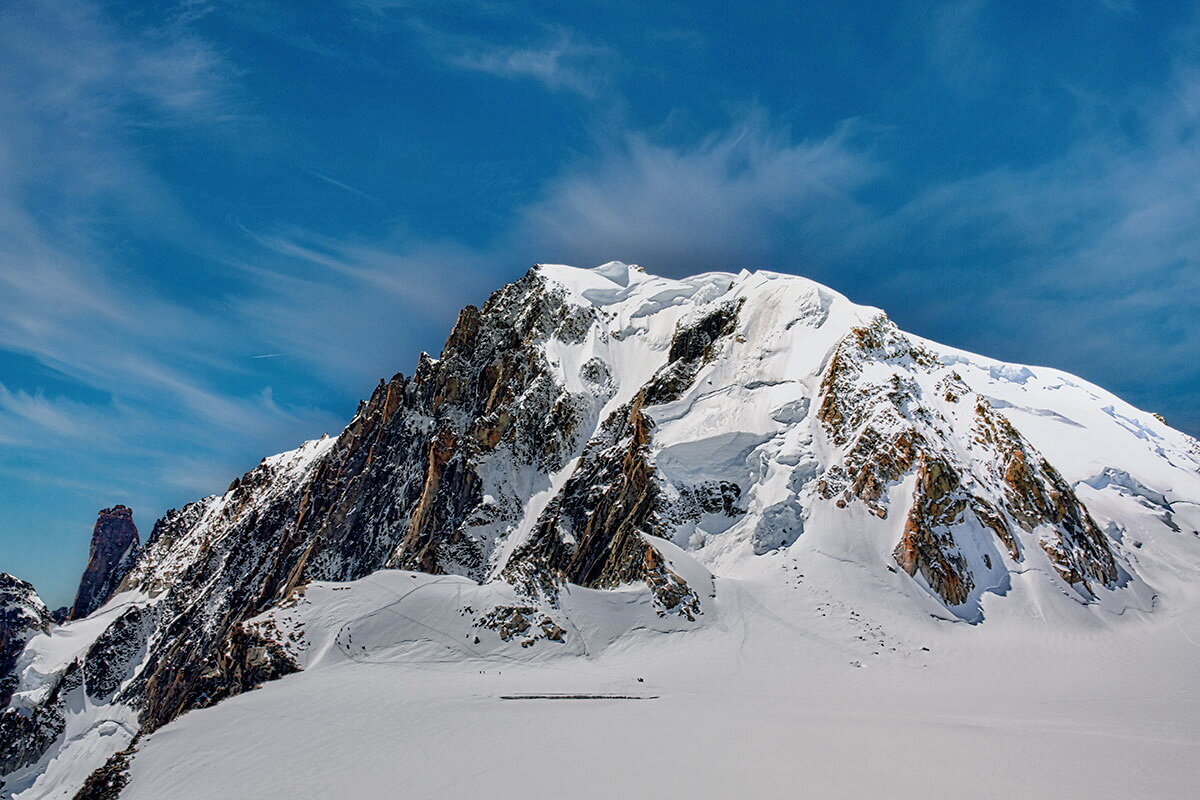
(139, 356)
(562, 63)
(517, 44)
(731, 199)
(1085, 260)
(348, 310)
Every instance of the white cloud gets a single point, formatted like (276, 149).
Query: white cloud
(728, 201)
(519, 45)
(74, 92)
(1089, 260)
(353, 312)
(29, 418)
(561, 63)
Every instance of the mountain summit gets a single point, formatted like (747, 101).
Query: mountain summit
(598, 453)
(113, 552)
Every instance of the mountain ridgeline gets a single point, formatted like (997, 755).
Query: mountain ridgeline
(596, 428)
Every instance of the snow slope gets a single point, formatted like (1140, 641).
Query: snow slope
(809, 673)
(788, 688)
(840, 559)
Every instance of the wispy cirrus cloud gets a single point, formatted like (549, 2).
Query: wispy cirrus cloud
(560, 61)
(1085, 260)
(151, 367)
(348, 310)
(519, 46)
(962, 56)
(28, 417)
(734, 198)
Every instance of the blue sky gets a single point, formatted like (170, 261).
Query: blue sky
(221, 223)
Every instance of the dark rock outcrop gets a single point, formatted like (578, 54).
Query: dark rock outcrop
(593, 532)
(107, 782)
(1037, 494)
(25, 734)
(22, 614)
(400, 487)
(114, 550)
(927, 544)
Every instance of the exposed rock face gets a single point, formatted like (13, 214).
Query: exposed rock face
(26, 734)
(114, 551)
(22, 614)
(1036, 495)
(22, 737)
(107, 782)
(892, 409)
(404, 486)
(928, 545)
(593, 532)
(432, 474)
(570, 426)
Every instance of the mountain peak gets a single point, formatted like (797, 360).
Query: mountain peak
(113, 551)
(599, 455)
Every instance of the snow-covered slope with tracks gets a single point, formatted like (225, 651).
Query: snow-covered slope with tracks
(743, 485)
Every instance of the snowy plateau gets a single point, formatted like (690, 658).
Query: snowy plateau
(630, 536)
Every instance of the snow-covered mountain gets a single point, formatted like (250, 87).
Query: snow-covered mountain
(602, 459)
(22, 615)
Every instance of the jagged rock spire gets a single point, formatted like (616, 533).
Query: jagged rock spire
(114, 550)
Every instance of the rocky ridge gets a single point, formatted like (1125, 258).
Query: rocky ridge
(22, 614)
(587, 428)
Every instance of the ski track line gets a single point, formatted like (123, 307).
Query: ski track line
(485, 657)
(771, 615)
(1187, 636)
